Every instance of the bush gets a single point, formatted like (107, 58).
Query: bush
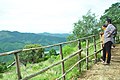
(3, 67)
(32, 56)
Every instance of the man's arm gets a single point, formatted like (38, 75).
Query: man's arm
(111, 30)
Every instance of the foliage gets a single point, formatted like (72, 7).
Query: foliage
(71, 37)
(32, 56)
(52, 59)
(52, 52)
(3, 67)
(86, 26)
(67, 50)
(112, 12)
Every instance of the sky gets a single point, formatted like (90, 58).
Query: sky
(53, 16)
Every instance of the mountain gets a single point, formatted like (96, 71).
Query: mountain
(16, 40)
(63, 35)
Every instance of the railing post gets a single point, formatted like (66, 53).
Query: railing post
(87, 52)
(79, 56)
(94, 41)
(63, 67)
(18, 66)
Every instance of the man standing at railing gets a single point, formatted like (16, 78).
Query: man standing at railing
(108, 41)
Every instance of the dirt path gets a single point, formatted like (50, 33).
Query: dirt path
(105, 72)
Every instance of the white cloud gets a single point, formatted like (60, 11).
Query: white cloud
(53, 16)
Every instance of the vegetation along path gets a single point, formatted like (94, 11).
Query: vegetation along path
(105, 72)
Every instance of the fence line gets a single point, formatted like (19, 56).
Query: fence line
(64, 59)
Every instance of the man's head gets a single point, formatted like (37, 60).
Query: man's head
(108, 21)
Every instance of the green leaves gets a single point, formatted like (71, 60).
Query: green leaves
(32, 56)
(3, 67)
(112, 12)
(52, 52)
(86, 26)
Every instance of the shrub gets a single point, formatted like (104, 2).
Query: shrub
(3, 67)
(32, 56)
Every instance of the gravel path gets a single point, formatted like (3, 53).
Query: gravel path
(105, 72)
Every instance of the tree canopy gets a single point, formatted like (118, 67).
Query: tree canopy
(86, 26)
(112, 12)
(32, 56)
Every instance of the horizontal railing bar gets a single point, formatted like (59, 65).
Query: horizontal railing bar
(11, 64)
(10, 52)
(45, 69)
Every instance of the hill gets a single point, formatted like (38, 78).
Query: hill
(16, 40)
(62, 35)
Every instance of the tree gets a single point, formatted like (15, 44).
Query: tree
(52, 52)
(71, 37)
(86, 26)
(32, 56)
(112, 12)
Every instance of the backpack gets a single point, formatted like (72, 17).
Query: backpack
(115, 31)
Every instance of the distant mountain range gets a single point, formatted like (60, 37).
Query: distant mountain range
(16, 40)
(63, 35)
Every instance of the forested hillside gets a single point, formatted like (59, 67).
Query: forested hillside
(16, 40)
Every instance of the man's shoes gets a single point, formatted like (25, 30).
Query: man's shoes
(105, 63)
(113, 46)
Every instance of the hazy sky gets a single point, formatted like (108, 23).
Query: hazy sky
(54, 16)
